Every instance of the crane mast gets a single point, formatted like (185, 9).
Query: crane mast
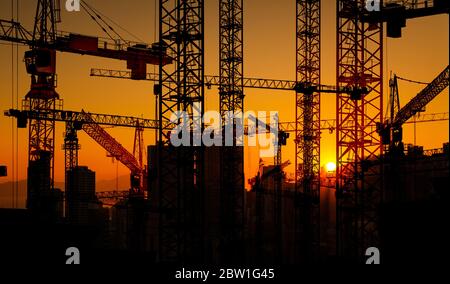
(180, 169)
(231, 92)
(41, 66)
(307, 140)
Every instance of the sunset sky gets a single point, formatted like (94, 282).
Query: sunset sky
(269, 26)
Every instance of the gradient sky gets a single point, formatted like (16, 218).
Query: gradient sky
(269, 25)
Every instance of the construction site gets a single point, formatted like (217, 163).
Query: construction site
(348, 174)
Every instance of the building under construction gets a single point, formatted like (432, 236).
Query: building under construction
(190, 204)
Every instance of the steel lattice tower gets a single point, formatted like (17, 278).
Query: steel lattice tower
(231, 109)
(71, 146)
(359, 147)
(42, 96)
(308, 127)
(181, 88)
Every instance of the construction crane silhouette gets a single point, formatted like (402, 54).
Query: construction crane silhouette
(308, 135)
(81, 118)
(98, 134)
(391, 130)
(231, 101)
(287, 85)
(303, 89)
(40, 62)
(181, 87)
(180, 171)
(91, 124)
(360, 149)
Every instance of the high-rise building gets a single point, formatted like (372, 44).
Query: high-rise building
(80, 196)
(43, 201)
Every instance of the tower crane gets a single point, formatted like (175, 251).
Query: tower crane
(354, 55)
(396, 13)
(307, 135)
(91, 124)
(391, 130)
(359, 148)
(40, 62)
(231, 100)
(98, 134)
(181, 169)
(281, 136)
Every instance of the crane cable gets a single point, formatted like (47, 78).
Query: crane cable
(102, 23)
(87, 6)
(95, 20)
(113, 22)
(155, 30)
(17, 106)
(12, 120)
(14, 104)
(412, 81)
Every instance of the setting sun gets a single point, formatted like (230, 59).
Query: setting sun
(331, 167)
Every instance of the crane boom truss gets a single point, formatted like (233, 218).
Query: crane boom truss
(423, 98)
(12, 31)
(210, 81)
(111, 145)
(80, 117)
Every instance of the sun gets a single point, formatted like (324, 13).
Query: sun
(331, 167)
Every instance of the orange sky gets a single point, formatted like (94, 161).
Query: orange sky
(421, 54)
